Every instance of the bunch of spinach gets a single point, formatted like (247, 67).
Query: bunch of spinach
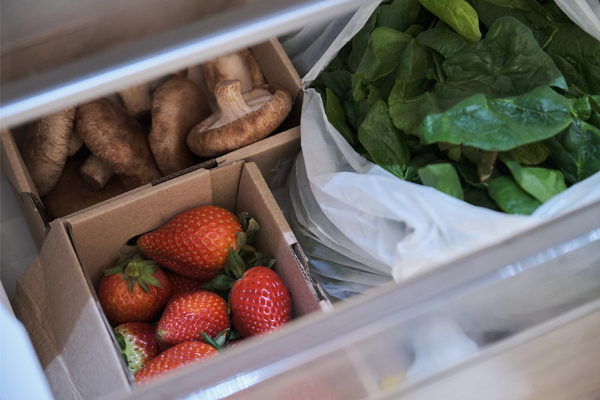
(496, 102)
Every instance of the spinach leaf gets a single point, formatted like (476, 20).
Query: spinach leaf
(411, 74)
(470, 175)
(443, 177)
(480, 198)
(407, 114)
(383, 141)
(500, 66)
(443, 40)
(576, 151)
(339, 82)
(582, 52)
(500, 124)
(414, 30)
(399, 14)
(458, 14)
(413, 166)
(510, 197)
(384, 52)
(530, 13)
(531, 154)
(360, 41)
(337, 117)
(541, 183)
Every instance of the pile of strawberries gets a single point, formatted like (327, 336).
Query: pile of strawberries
(214, 290)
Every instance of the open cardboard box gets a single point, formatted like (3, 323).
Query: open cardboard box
(56, 296)
(273, 155)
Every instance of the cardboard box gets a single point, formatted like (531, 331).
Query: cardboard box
(56, 296)
(273, 155)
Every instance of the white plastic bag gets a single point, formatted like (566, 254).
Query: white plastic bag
(361, 225)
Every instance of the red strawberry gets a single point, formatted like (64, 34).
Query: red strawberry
(194, 243)
(189, 314)
(259, 301)
(176, 357)
(182, 284)
(138, 344)
(133, 290)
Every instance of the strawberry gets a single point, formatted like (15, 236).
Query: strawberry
(182, 284)
(194, 243)
(134, 290)
(260, 302)
(138, 344)
(179, 356)
(189, 314)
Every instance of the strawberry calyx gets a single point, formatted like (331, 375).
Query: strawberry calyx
(136, 270)
(239, 262)
(222, 340)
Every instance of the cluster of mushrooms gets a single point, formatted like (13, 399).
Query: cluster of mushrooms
(85, 154)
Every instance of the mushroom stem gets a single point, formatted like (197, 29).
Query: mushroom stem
(95, 172)
(230, 101)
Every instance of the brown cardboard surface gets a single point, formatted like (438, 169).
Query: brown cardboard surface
(274, 156)
(23, 188)
(56, 297)
(54, 302)
(277, 69)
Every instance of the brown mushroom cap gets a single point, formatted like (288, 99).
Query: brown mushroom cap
(178, 105)
(46, 147)
(237, 65)
(116, 138)
(241, 120)
(76, 141)
(137, 99)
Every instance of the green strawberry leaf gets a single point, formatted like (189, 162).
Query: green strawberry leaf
(222, 282)
(208, 340)
(130, 283)
(234, 334)
(235, 263)
(222, 337)
(143, 285)
(253, 227)
(149, 279)
(242, 238)
(112, 271)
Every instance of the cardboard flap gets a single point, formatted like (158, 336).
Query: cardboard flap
(53, 301)
(277, 67)
(100, 233)
(16, 171)
(254, 197)
(279, 150)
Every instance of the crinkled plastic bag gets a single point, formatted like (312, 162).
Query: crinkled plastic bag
(361, 226)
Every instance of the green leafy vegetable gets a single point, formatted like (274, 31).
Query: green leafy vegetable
(502, 124)
(501, 120)
(576, 151)
(399, 15)
(540, 183)
(510, 197)
(531, 154)
(337, 117)
(582, 52)
(383, 141)
(458, 14)
(442, 177)
(500, 66)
